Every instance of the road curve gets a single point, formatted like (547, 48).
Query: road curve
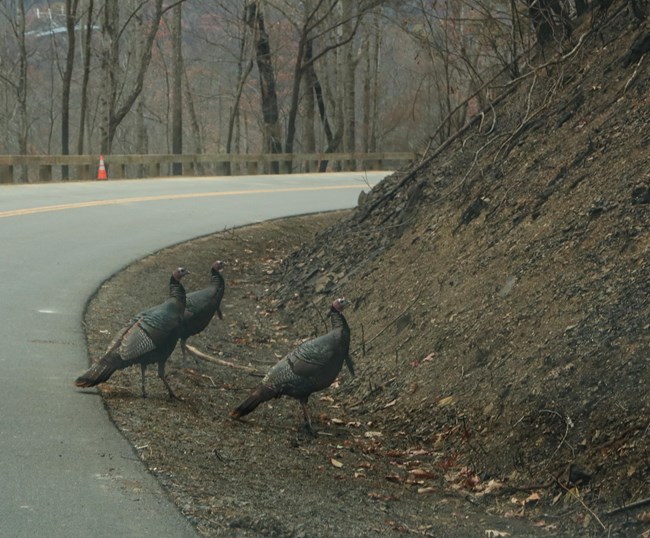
(65, 470)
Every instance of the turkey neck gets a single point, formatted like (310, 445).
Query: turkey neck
(177, 291)
(339, 322)
(217, 280)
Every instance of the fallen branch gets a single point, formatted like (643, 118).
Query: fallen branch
(209, 358)
(577, 498)
(631, 79)
(568, 424)
(631, 506)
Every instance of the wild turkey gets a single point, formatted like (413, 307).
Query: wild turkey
(201, 306)
(149, 337)
(312, 366)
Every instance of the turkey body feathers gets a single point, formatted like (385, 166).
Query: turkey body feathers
(202, 305)
(149, 337)
(309, 368)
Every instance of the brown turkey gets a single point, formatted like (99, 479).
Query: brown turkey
(312, 366)
(149, 337)
(201, 306)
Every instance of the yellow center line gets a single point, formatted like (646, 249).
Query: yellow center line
(117, 201)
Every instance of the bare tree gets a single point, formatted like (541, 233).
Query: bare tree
(320, 21)
(87, 55)
(14, 72)
(270, 111)
(177, 85)
(71, 24)
(119, 93)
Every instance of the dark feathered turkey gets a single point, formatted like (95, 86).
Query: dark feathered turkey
(149, 337)
(312, 366)
(202, 305)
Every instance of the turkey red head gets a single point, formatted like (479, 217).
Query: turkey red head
(218, 265)
(180, 272)
(340, 303)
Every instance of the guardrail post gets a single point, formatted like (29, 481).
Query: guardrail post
(223, 168)
(154, 170)
(83, 171)
(45, 172)
(6, 173)
(251, 168)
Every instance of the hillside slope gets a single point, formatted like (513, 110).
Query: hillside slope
(504, 284)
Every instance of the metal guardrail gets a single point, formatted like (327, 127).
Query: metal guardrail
(40, 168)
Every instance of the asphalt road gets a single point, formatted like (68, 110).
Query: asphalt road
(64, 469)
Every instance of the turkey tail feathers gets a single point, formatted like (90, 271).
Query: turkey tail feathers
(261, 394)
(99, 372)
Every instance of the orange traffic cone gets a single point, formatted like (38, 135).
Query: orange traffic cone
(101, 173)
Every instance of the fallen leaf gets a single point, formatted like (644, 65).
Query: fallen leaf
(394, 478)
(422, 473)
(336, 463)
(426, 490)
(445, 401)
(492, 485)
(532, 498)
(391, 403)
(337, 421)
(372, 434)
(491, 533)
(381, 496)
(418, 452)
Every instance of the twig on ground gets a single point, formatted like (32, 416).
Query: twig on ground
(568, 423)
(631, 79)
(221, 362)
(571, 492)
(631, 506)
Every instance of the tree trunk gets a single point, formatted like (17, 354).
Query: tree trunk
(270, 114)
(70, 22)
(242, 76)
(295, 95)
(177, 87)
(83, 105)
(315, 86)
(21, 88)
(349, 86)
(309, 137)
(108, 65)
(194, 119)
(581, 7)
(543, 14)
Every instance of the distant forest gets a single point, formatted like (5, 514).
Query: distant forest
(206, 76)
